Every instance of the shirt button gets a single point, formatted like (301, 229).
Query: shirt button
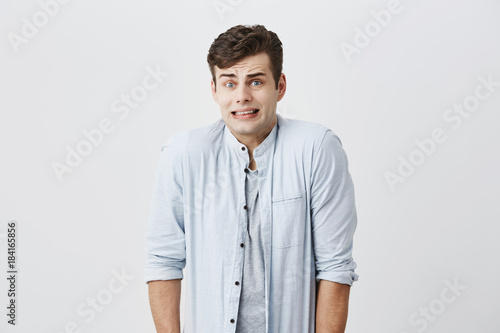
(243, 148)
(246, 170)
(232, 321)
(237, 283)
(242, 244)
(245, 207)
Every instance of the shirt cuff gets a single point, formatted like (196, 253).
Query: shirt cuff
(162, 273)
(343, 277)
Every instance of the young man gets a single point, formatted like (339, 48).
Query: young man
(260, 207)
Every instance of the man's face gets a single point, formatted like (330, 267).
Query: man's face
(246, 86)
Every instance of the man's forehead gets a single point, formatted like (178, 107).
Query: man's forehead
(253, 63)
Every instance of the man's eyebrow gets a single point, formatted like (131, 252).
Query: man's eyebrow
(256, 74)
(248, 76)
(228, 75)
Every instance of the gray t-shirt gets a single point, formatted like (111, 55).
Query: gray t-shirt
(252, 309)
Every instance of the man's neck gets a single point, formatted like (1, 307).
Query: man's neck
(252, 142)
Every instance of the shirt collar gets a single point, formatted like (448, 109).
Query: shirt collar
(264, 145)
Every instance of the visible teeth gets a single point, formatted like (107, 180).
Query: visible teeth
(245, 112)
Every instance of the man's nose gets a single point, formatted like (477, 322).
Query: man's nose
(243, 94)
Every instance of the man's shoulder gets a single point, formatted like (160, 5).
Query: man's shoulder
(196, 137)
(298, 130)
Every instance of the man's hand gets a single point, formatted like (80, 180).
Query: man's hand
(165, 299)
(331, 306)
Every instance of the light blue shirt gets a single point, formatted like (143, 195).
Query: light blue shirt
(198, 220)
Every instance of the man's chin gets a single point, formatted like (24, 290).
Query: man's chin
(240, 128)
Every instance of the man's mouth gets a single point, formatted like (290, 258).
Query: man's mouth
(245, 112)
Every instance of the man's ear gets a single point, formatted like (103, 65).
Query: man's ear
(281, 87)
(214, 93)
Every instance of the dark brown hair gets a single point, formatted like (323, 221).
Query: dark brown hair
(242, 41)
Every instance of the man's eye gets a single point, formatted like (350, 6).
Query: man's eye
(229, 84)
(256, 81)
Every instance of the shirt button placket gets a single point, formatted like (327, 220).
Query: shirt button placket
(237, 283)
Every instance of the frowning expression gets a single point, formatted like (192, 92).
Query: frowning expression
(247, 96)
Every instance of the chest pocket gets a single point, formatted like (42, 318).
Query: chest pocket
(289, 219)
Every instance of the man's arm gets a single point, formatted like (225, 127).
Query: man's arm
(164, 299)
(165, 241)
(332, 307)
(334, 219)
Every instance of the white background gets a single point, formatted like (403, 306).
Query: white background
(438, 226)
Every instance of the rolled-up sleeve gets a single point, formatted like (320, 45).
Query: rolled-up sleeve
(165, 240)
(333, 212)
